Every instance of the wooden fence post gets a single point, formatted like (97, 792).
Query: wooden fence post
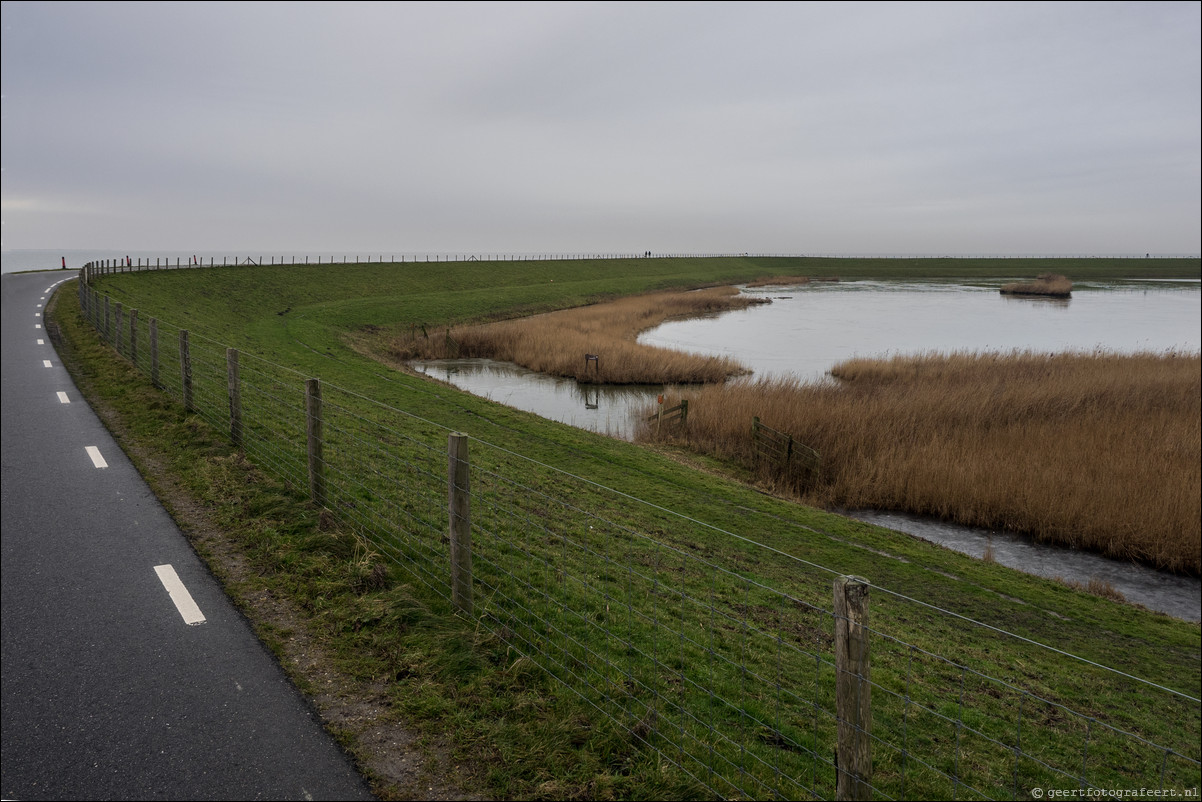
(185, 369)
(853, 691)
(459, 510)
(118, 322)
(313, 430)
(154, 352)
(108, 326)
(235, 392)
(133, 336)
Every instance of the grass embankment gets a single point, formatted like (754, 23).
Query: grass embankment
(1052, 285)
(450, 677)
(1091, 451)
(558, 343)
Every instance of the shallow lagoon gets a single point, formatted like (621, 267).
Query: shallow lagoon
(809, 328)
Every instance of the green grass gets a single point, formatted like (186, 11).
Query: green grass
(639, 623)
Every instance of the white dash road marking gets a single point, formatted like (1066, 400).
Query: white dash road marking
(97, 459)
(41, 341)
(37, 325)
(62, 398)
(46, 363)
(180, 595)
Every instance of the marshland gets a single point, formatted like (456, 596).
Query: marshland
(1095, 450)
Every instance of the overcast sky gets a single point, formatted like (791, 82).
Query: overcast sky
(834, 128)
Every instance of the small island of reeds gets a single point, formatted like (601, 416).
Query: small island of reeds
(1052, 285)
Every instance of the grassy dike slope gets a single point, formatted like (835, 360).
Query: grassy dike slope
(435, 672)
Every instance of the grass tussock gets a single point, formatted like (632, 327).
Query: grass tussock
(1053, 285)
(1094, 451)
(1095, 586)
(557, 343)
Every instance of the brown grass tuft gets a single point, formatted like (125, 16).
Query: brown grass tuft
(1098, 587)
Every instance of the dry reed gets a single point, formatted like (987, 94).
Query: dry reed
(557, 343)
(1095, 451)
(1050, 284)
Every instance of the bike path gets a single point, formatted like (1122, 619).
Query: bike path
(125, 671)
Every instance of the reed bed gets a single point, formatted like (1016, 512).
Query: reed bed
(558, 343)
(1095, 451)
(1050, 284)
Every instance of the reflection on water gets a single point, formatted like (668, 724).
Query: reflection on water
(1178, 596)
(605, 409)
(808, 329)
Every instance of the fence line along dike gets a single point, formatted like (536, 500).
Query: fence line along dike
(737, 666)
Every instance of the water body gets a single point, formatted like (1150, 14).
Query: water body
(605, 409)
(808, 329)
(1178, 596)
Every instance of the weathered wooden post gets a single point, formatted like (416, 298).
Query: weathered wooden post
(235, 393)
(154, 352)
(313, 431)
(853, 691)
(185, 369)
(118, 323)
(108, 328)
(460, 515)
(133, 336)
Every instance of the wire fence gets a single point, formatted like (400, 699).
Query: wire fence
(143, 262)
(718, 654)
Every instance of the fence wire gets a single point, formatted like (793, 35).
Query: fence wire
(704, 656)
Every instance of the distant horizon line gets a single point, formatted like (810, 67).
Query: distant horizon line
(593, 254)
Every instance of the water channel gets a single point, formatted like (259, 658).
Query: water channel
(807, 329)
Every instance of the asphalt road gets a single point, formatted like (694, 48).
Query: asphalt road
(126, 673)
